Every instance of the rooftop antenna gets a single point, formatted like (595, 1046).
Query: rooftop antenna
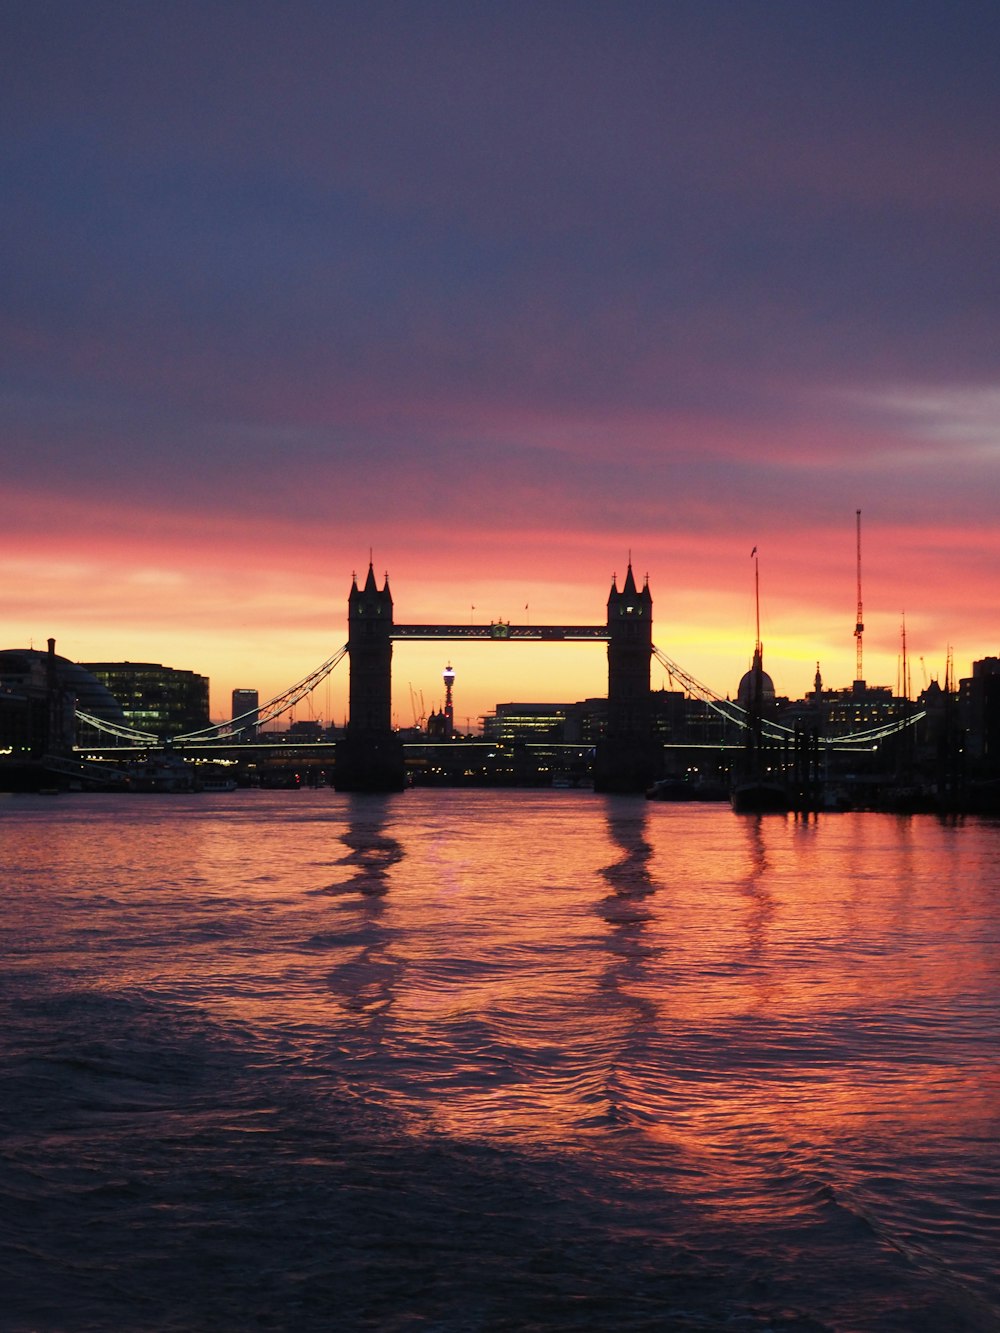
(859, 624)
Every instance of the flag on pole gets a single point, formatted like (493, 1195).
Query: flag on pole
(753, 553)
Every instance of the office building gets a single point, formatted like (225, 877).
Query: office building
(244, 715)
(155, 698)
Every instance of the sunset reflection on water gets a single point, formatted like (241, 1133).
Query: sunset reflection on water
(621, 962)
(779, 1023)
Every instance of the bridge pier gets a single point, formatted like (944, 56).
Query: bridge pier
(369, 763)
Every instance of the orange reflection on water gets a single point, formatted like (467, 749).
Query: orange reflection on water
(653, 967)
(764, 1039)
(555, 967)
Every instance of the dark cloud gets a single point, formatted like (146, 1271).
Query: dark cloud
(579, 262)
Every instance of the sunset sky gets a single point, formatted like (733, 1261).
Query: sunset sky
(500, 292)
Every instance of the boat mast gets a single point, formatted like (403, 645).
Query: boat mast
(754, 735)
(859, 624)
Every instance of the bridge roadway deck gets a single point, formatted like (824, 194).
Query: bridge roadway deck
(503, 631)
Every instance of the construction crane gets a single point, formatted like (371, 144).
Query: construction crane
(419, 714)
(859, 625)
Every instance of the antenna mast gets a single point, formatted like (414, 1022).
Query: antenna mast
(859, 624)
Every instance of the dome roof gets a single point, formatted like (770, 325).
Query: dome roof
(29, 666)
(745, 693)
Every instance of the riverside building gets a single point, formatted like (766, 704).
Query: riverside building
(156, 698)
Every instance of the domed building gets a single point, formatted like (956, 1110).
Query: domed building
(756, 679)
(40, 693)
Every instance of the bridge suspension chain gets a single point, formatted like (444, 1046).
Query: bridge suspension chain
(281, 703)
(733, 712)
(726, 708)
(117, 729)
(853, 738)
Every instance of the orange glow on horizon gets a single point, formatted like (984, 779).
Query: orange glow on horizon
(261, 607)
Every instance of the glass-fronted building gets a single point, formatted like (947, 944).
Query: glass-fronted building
(155, 698)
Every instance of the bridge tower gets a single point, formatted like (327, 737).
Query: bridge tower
(370, 757)
(629, 757)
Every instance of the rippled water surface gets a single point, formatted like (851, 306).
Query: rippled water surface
(495, 1060)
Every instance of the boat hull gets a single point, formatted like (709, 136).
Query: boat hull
(760, 798)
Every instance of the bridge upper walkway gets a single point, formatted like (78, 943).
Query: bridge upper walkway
(501, 630)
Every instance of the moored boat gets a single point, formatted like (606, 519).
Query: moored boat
(760, 798)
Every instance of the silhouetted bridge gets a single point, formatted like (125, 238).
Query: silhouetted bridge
(370, 756)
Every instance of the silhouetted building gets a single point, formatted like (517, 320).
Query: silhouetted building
(979, 710)
(668, 716)
(593, 720)
(40, 693)
(858, 707)
(674, 718)
(245, 705)
(154, 698)
(756, 678)
(705, 725)
(437, 725)
(513, 723)
(306, 730)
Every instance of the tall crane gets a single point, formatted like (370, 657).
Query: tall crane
(859, 625)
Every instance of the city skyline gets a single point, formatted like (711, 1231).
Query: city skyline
(501, 297)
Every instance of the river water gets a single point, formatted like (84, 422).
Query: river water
(455, 1060)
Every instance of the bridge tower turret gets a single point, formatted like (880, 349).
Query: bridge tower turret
(370, 758)
(629, 756)
(369, 643)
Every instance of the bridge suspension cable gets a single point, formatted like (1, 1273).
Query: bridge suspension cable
(733, 712)
(726, 708)
(281, 703)
(853, 738)
(117, 729)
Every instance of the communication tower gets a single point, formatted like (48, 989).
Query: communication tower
(448, 676)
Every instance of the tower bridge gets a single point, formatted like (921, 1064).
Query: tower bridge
(370, 758)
